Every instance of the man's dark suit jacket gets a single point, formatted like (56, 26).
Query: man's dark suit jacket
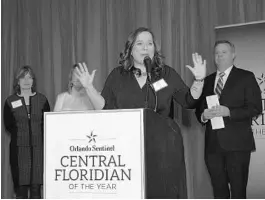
(241, 94)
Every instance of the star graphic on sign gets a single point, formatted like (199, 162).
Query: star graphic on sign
(261, 79)
(92, 137)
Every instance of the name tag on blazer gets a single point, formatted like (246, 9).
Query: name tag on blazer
(16, 104)
(160, 84)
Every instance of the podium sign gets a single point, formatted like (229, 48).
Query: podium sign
(94, 154)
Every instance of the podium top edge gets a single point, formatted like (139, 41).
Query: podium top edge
(95, 111)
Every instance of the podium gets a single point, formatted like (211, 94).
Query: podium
(134, 153)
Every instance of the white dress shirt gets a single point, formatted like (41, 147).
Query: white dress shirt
(227, 72)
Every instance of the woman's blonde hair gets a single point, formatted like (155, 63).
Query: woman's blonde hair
(70, 77)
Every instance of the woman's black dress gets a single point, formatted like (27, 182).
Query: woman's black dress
(167, 177)
(26, 129)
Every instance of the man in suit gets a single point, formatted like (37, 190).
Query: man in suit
(227, 150)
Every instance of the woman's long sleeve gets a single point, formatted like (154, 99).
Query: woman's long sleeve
(9, 120)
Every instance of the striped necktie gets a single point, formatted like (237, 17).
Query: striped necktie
(219, 85)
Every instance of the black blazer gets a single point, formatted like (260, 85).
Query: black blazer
(241, 94)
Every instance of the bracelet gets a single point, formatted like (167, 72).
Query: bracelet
(199, 80)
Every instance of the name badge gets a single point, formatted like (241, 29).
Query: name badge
(16, 104)
(160, 84)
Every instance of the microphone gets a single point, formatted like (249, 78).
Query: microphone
(148, 66)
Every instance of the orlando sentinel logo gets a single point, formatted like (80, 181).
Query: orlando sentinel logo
(92, 137)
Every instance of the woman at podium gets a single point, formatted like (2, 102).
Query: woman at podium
(143, 81)
(81, 94)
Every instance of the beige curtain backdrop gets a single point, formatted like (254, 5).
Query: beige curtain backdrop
(52, 35)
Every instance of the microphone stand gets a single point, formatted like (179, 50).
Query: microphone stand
(148, 81)
(148, 65)
(148, 85)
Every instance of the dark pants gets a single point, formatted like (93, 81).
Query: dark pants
(228, 167)
(22, 191)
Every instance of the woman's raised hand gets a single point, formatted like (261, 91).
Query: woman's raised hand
(85, 78)
(199, 69)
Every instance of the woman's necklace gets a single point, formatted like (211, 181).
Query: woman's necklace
(138, 72)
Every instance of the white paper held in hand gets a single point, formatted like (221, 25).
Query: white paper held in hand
(217, 122)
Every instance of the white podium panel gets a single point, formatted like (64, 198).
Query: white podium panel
(97, 154)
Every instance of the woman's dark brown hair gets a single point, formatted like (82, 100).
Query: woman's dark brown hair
(126, 59)
(21, 73)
